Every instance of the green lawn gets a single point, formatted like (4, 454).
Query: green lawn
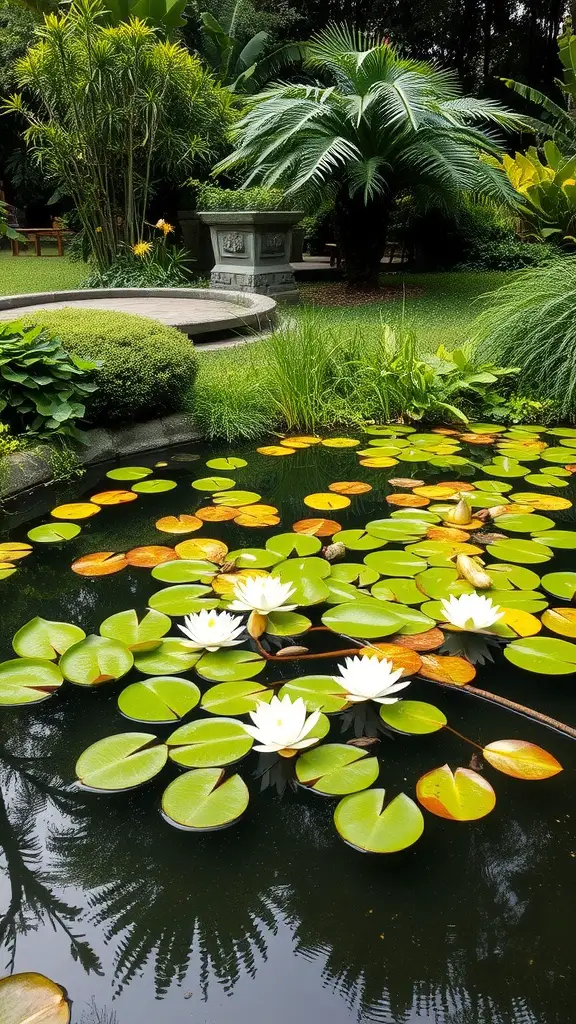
(22, 275)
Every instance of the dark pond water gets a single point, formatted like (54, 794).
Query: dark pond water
(275, 918)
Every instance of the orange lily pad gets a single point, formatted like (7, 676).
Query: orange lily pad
(114, 497)
(405, 481)
(464, 795)
(350, 487)
(307, 439)
(521, 760)
(401, 657)
(150, 555)
(379, 462)
(340, 442)
(446, 533)
(427, 641)
(477, 438)
(436, 491)
(407, 500)
(275, 449)
(447, 669)
(202, 547)
(75, 510)
(99, 563)
(257, 515)
(317, 527)
(215, 513)
(179, 524)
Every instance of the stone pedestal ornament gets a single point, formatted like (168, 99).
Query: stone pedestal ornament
(252, 251)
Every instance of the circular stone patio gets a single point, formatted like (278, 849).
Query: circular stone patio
(195, 311)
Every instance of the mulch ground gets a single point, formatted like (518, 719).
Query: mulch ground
(335, 293)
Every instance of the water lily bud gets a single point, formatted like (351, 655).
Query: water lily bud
(292, 652)
(461, 515)
(471, 570)
(334, 551)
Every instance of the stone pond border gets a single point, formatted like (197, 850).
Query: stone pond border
(23, 471)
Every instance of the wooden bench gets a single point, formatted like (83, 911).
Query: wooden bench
(37, 234)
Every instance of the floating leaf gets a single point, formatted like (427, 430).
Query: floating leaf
(402, 590)
(460, 796)
(96, 660)
(203, 800)
(213, 483)
(316, 527)
(326, 502)
(257, 516)
(27, 681)
(13, 551)
(32, 999)
(161, 700)
(275, 450)
(209, 743)
(394, 563)
(363, 822)
(183, 599)
(350, 487)
(340, 442)
(542, 502)
(352, 572)
(565, 539)
(287, 624)
(121, 762)
(366, 619)
(286, 544)
(129, 473)
(179, 524)
(113, 498)
(560, 584)
(204, 548)
(253, 558)
(184, 571)
(428, 641)
(54, 533)
(358, 540)
(378, 461)
(524, 551)
(237, 698)
(524, 524)
(172, 656)
(335, 769)
(154, 486)
(438, 583)
(543, 655)
(443, 549)
(413, 716)
(398, 530)
(401, 657)
(6, 570)
(226, 666)
(216, 514)
(149, 556)
(306, 580)
(521, 760)
(229, 463)
(561, 621)
(143, 635)
(515, 575)
(75, 510)
(43, 638)
(407, 500)
(543, 480)
(405, 481)
(99, 563)
(319, 693)
(446, 669)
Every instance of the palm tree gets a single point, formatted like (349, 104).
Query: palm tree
(383, 126)
(242, 65)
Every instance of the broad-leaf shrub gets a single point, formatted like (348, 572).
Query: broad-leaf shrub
(145, 368)
(43, 387)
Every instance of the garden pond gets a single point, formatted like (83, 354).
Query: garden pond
(174, 874)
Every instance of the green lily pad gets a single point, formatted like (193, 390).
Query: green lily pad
(129, 473)
(364, 823)
(213, 483)
(413, 620)
(366, 619)
(403, 590)
(485, 428)
(138, 635)
(307, 582)
(339, 592)
(209, 743)
(507, 467)
(292, 568)
(357, 540)
(484, 500)
(203, 800)
(53, 533)
(235, 499)
(518, 454)
(525, 523)
(543, 655)
(183, 570)
(397, 529)
(438, 583)
(237, 698)
(229, 463)
(562, 431)
(31, 997)
(413, 716)
(172, 656)
(286, 544)
(154, 486)
(27, 681)
(96, 660)
(253, 558)
(525, 600)
(493, 486)
(183, 599)
(447, 461)
(416, 515)
(560, 584)
(335, 769)
(525, 552)
(395, 563)
(352, 572)
(413, 455)
(7, 570)
(560, 455)
(545, 481)
(516, 575)
(121, 762)
(319, 693)
(557, 471)
(161, 700)
(559, 539)
(42, 638)
(231, 665)
(288, 623)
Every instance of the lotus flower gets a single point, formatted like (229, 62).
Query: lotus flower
(210, 630)
(262, 594)
(369, 678)
(472, 612)
(282, 726)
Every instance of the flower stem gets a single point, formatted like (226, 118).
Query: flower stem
(510, 705)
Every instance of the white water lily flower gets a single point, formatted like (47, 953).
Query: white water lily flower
(262, 594)
(282, 725)
(472, 612)
(210, 630)
(369, 678)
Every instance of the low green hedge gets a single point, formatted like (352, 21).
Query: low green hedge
(146, 368)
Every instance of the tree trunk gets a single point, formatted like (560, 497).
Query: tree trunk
(361, 230)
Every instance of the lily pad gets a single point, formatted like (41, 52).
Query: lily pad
(29, 997)
(75, 510)
(525, 600)
(183, 599)
(543, 655)
(394, 563)
(565, 539)
(525, 552)
(415, 717)
(306, 580)
(327, 501)
(507, 467)
(438, 583)
(364, 619)
(404, 591)
(209, 743)
(516, 575)
(561, 621)
(352, 572)
(160, 700)
(121, 762)
(288, 623)
(154, 486)
(53, 533)
(27, 681)
(183, 570)
(229, 463)
(235, 499)
(96, 660)
(521, 760)
(397, 529)
(336, 769)
(237, 698)
(203, 800)
(525, 523)
(286, 544)
(560, 584)
(364, 823)
(320, 693)
(42, 638)
(138, 635)
(358, 540)
(129, 473)
(172, 656)
(253, 558)
(213, 483)
(226, 666)
(460, 796)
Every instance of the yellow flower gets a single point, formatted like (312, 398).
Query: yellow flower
(142, 248)
(160, 224)
(164, 226)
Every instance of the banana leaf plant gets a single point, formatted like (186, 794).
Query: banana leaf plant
(243, 67)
